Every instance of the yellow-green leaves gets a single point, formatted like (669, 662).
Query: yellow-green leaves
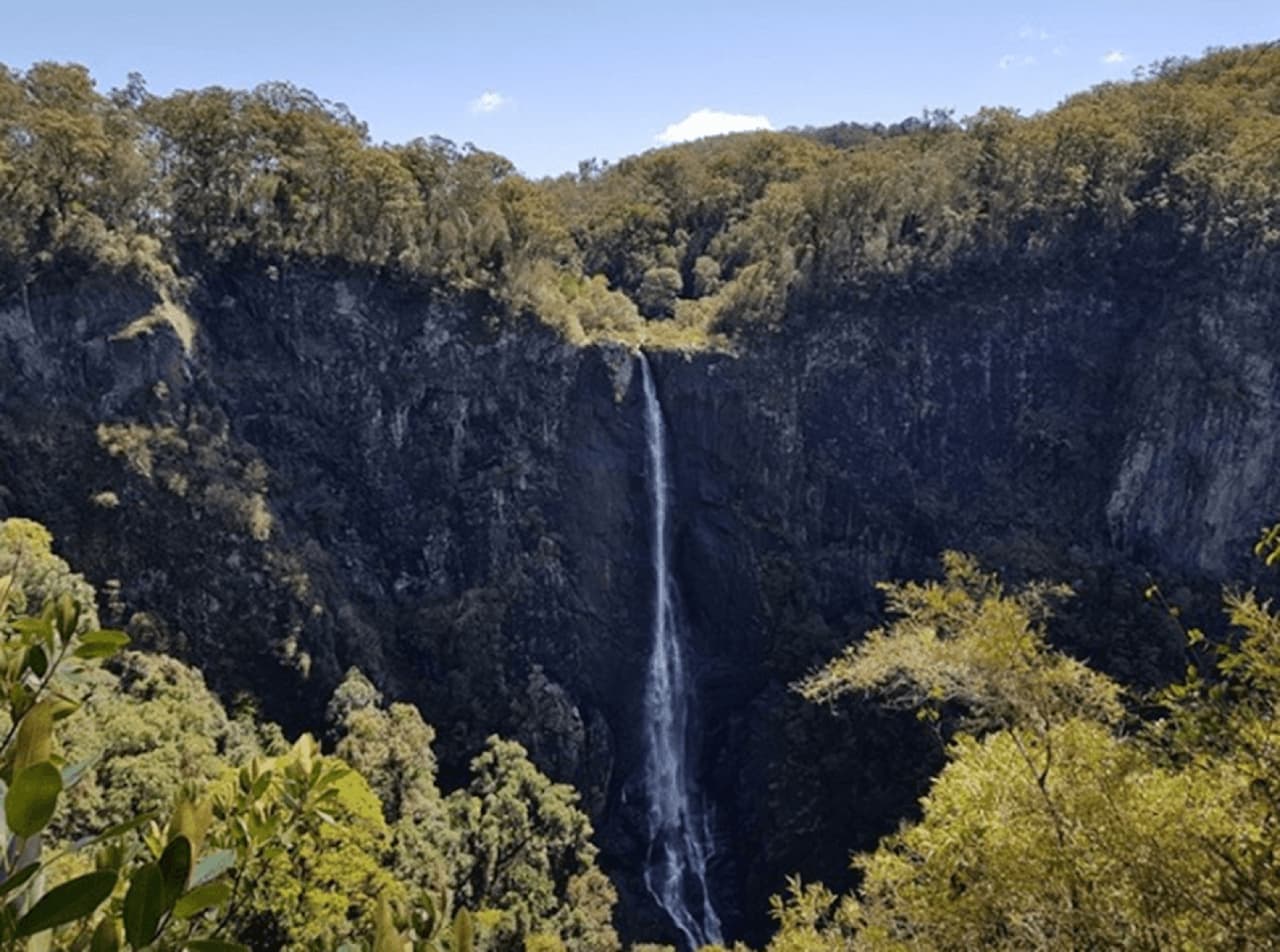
(463, 932)
(32, 797)
(33, 743)
(191, 820)
(385, 936)
(1268, 546)
(66, 614)
(102, 643)
(202, 898)
(299, 840)
(967, 641)
(1056, 824)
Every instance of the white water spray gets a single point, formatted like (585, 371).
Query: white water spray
(679, 834)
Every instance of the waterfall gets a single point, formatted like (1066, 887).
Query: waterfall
(679, 831)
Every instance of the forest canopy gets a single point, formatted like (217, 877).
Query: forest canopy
(139, 814)
(686, 246)
(1071, 812)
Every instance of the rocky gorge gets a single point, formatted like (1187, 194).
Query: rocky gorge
(309, 468)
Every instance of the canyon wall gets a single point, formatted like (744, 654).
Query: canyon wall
(303, 470)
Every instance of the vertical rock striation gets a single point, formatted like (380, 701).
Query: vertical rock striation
(339, 468)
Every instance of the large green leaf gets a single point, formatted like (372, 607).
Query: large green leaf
(385, 936)
(175, 866)
(463, 934)
(31, 798)
(192, 820)
(106, 938)
(102, 643)
(34, 742)
(67, 615)
(144, 905)
(34, 627)
(20, 878)
(202, 898)
(215, 945)
(73, 900)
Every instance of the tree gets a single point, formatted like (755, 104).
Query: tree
(138, 893)
(1058, 822)
(391, 748)
(658, 291)
(148, 725)
(524, 858)
(309, 838)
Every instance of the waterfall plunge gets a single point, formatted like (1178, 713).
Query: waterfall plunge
(679, 834)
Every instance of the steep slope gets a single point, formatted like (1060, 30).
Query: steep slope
(298, 402)
(343, 470)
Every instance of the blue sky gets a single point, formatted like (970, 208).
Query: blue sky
(549, 83)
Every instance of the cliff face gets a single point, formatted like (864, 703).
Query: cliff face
(315, 469)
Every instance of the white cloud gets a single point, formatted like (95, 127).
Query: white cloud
(1033, 33)
(710, 122)
(1114, 56)
(489, 101)
(1012, 61)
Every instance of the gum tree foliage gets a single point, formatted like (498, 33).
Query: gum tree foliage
(680, 246)
(524, 858)
(106, 890)
(309, 836)
(171, 825)
(512, 847)
(391, 748)
(1059, 821)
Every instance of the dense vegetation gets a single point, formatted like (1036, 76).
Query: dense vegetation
(682, 245)
(141, 815)
(1071, 813)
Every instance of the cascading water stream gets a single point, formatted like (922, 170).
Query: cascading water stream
(679, 833)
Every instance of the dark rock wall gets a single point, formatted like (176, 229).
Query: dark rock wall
(344, 470)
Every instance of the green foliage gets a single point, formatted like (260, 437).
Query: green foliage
(1223, 731)
(308, 836)
(45, 659)
(391, 748)
(965, 641)
(75, 178)
(32, 796)
(724, 236)
(279, 847)
(71, 901)
(148, 726)
(26, 554)
(1057, 822)
(812, 917)
(524, 851)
